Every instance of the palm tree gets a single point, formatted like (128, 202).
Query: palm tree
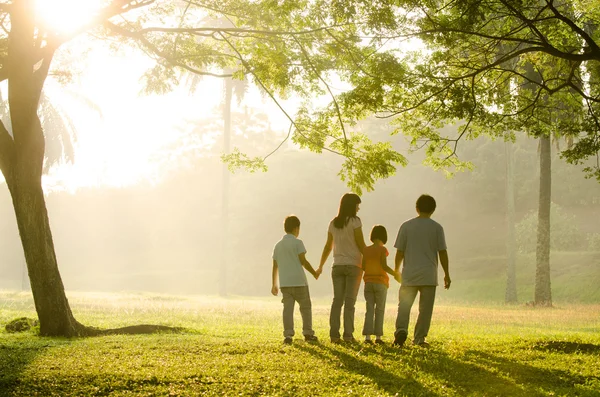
(543, 290)
(511, 244)
(238, 88)
(231, 87)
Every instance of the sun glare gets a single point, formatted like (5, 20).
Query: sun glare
(65, 16)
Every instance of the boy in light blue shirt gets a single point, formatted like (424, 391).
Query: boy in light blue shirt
(288, 261)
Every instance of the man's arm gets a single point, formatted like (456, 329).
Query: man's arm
(443, 254)
(326, 250)
(306, 264)
(398, 260)
(274, 289)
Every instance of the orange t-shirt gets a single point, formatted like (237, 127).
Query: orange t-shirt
(374, 272)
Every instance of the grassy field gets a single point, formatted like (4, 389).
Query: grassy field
(234, 347)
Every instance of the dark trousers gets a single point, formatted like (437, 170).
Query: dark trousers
(406, 298)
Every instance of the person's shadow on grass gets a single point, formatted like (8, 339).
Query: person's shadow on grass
(534, 379)
(471, 372)
(485, 373)
(15, 356)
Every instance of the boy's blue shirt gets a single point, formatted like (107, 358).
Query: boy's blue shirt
(291, 272)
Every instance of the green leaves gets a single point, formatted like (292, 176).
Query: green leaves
(161, 79)
(370, 162)
(492, 65)
(238, 160)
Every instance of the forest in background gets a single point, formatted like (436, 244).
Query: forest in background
(166, 237)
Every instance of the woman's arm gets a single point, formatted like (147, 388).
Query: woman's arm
(326, 250)
(359, 238)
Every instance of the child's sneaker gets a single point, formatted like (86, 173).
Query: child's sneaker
(379, 341)
(311, 338)
(287, 341)
(336, 340)
(369, 342)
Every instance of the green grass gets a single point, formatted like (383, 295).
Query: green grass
(234, 347)
(575, 278)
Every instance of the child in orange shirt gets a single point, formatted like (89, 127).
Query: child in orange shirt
(376, 283)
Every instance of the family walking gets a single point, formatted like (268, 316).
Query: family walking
(419, 243)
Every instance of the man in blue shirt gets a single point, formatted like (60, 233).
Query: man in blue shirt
(289, 260)
(419, 243)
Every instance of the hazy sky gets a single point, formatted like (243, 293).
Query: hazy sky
(140, 207)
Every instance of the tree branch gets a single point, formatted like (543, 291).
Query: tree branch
(156, 51)
(527, 21)
(281, 143)
(576, 29)
(270, 94)
(335, 103)
(117, 7)
(235, 30)
(7, 152)
(40, 75)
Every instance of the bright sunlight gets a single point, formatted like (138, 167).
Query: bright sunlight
(66, 16)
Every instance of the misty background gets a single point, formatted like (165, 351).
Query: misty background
(162, 230)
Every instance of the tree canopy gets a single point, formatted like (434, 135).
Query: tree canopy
(422, 65)
(282, 46)
(494, 67)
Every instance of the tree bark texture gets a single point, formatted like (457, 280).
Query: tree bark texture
(543, 292)
(52, 306)
(510, 295)
(21, 160)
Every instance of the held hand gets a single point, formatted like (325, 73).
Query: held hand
(318, 273)
(274, 290)
(447, 281)
(398, 277)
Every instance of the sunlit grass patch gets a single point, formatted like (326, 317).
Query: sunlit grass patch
(234, 346)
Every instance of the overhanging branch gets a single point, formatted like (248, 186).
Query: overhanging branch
(270, 94)
(335, 103)
(593, 47)
(236, 30)
(117, 7)
(156, 51)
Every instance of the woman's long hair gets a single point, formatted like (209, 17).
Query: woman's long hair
(347, 210)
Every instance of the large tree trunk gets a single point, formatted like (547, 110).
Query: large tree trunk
(49, 296)
(21, 160)
(510, 295)
(543, 293)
